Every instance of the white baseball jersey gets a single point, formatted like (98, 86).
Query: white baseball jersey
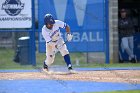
(54, 34)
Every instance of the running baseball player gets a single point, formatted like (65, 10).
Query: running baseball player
(52, 35)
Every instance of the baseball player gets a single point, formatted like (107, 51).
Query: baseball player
(52, 35)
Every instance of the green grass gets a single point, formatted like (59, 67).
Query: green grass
(91, 65)
(129, 91)
(7, 55)
(6, 60)
(40, 57)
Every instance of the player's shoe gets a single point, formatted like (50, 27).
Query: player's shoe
(71, 70)
(45, 67)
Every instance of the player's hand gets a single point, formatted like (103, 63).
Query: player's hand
(69, 37)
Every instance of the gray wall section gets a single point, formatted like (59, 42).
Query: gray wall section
(113, 30)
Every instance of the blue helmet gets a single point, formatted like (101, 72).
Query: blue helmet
(48, 19)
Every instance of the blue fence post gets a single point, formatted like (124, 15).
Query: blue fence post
(107, 31)
(32, 37)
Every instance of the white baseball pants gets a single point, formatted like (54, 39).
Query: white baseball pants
(50, 51)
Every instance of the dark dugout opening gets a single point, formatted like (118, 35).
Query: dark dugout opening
(134, 10)
(133, 7)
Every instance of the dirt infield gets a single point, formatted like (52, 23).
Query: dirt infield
(127, 76)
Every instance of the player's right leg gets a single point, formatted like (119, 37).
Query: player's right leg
(45, 67)
(49, 58)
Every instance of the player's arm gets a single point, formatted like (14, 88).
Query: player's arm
(47, 38)
(69, 35)
(67, 27)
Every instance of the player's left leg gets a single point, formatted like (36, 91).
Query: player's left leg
(65, 53)
(68, 61)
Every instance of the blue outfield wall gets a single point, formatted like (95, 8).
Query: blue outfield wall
(87, 19)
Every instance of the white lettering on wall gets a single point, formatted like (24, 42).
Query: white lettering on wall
(82, 37)
(87, 37)
(76, 37)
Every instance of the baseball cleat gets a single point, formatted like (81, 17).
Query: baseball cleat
(45, 67)
(71, 70)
